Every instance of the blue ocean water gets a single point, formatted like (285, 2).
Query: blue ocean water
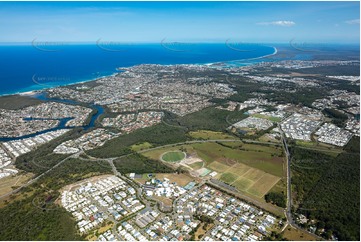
(33, 67)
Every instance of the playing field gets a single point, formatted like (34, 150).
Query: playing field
(218, 167)
(196, 165)
(245, 178)
(229, 177)
(252, 168)
(266, 158)
(173, 156)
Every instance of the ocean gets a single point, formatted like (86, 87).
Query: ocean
(36, 66)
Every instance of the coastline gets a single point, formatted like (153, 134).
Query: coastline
(255, 58)
(34, 91)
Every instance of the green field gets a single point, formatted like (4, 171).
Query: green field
(141, 146)
(196, 165)
(270, 118)
(245, 178)
(173, 156)
(252, 168)
(242, 184)
(218, 167)
(229, 177)
(208, 134)
(266, 158)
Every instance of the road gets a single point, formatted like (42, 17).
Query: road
(31, 181)
(288, 210)
(288, 171)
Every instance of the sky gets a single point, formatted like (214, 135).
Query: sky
(260, 22)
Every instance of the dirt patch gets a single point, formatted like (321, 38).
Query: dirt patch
(180, 179)
(297, 235)
(201, 231)
(191, 160)
(76, 185)
(164, 200)
(7, 184)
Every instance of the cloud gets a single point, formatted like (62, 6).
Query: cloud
(284, 23)
(353, 21)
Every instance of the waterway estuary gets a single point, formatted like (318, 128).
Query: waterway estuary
(99, 110)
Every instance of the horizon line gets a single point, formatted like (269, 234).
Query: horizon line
(109, 42)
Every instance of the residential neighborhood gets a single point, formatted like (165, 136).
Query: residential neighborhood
(97, 200)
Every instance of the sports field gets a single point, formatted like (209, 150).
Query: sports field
(265, 158)
(252, 168)
(245, 178)
(173, 156)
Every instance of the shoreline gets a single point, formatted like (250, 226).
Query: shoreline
(255, 58)
(209, 64)
(35, 91)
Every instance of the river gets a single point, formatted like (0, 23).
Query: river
(43, 97)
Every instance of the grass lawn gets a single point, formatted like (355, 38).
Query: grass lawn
(208, 134)
(142, 146)
(263, 185)
(267, 138)
(245, 178)
(157, 153)
(93, 237)
(306, 143)
(233, 144)
(270, 118)
(196, 165)
(173, 156)
(218, 167)
(242, 184)
(229, 177)
(280, 186)
(321, 147)
(239, 168)
(7, 183)
(264, 158)
(297, 235)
